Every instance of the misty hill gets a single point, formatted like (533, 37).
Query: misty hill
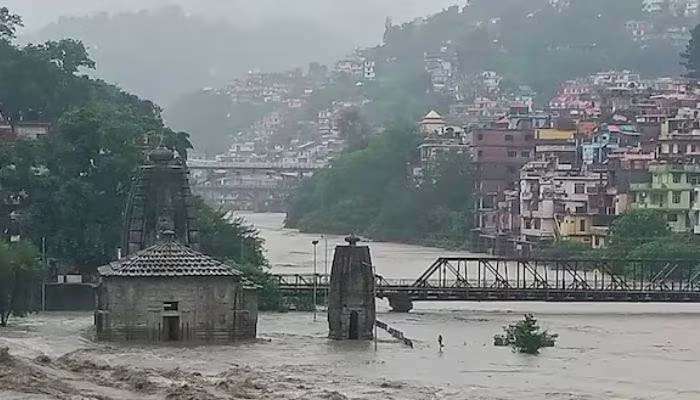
(542, 42)
(163, 53)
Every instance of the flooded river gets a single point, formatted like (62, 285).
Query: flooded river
(605, 351)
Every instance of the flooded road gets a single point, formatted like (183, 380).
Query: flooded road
(605, 351)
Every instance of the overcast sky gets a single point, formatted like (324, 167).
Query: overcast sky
(362, 17)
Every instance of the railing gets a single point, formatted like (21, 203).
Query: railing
(486, 279)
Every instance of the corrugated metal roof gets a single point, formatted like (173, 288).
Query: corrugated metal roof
(168, 259)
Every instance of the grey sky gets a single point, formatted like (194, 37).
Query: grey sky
(364, 18)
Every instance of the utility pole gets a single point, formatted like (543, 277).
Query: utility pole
(374, 294)
(46, 270)
(315, 243)
(325, 268)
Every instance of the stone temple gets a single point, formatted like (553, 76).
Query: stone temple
(164, 289)
(351, 307)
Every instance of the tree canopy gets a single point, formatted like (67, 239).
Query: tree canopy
(691, 55)
(8, 23)
(76, 181)
(371, 191)
(20, 270)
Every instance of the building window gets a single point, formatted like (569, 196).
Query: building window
(672, 217)
(525, 154)
(512, 154)
(538, 223)
(592, 189)
(676, 178)
(579, 188)
(676, 197)
(528, 224)
(480, 136)
(170, 305)
(582, 225)
(480, 153)
(509, 138)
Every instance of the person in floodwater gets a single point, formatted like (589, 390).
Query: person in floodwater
(440, 343)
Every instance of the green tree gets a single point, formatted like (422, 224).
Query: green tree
(526, 336)
(68, 55)
(634, 229)
(562, 249)
(8, 24)
(354, 129)
(20, 273)
(77, 180)
(234, 242)
(691, 55)
(372, 192)
(228, 239)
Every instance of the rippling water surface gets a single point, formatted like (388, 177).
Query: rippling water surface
(605, 351)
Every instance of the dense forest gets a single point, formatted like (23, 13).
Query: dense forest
(369, 192)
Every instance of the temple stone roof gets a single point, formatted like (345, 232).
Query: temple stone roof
(169, 259)
(432, 115)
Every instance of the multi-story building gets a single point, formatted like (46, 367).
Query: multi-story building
(673, 189)
(498, 154)
(558, 203)
(559, 144)
(680, 140)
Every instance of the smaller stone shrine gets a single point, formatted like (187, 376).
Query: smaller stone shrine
(351, 307)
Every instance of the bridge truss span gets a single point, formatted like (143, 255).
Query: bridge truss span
(562, 280)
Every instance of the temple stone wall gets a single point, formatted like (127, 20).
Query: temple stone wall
(351, 306)
(208, 309)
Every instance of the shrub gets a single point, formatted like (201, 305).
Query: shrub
(525, 336)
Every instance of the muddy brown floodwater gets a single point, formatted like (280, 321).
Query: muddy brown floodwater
(605, 351)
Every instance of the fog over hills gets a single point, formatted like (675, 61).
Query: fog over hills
(163, 48)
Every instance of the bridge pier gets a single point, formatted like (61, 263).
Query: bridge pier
(400, 303)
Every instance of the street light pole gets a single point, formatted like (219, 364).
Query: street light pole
(325, 268)
(325, 262)
(315, 243)
(374, 297)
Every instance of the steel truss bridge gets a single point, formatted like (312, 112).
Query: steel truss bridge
(500, 279)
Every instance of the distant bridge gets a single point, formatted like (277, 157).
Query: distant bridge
(500, 279)
(255, 186)
(195, 164)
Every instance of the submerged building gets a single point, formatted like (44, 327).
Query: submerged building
(351, 307)
(169, 292)
(164, 289)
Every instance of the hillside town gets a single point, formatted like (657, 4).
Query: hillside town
(604, 145)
